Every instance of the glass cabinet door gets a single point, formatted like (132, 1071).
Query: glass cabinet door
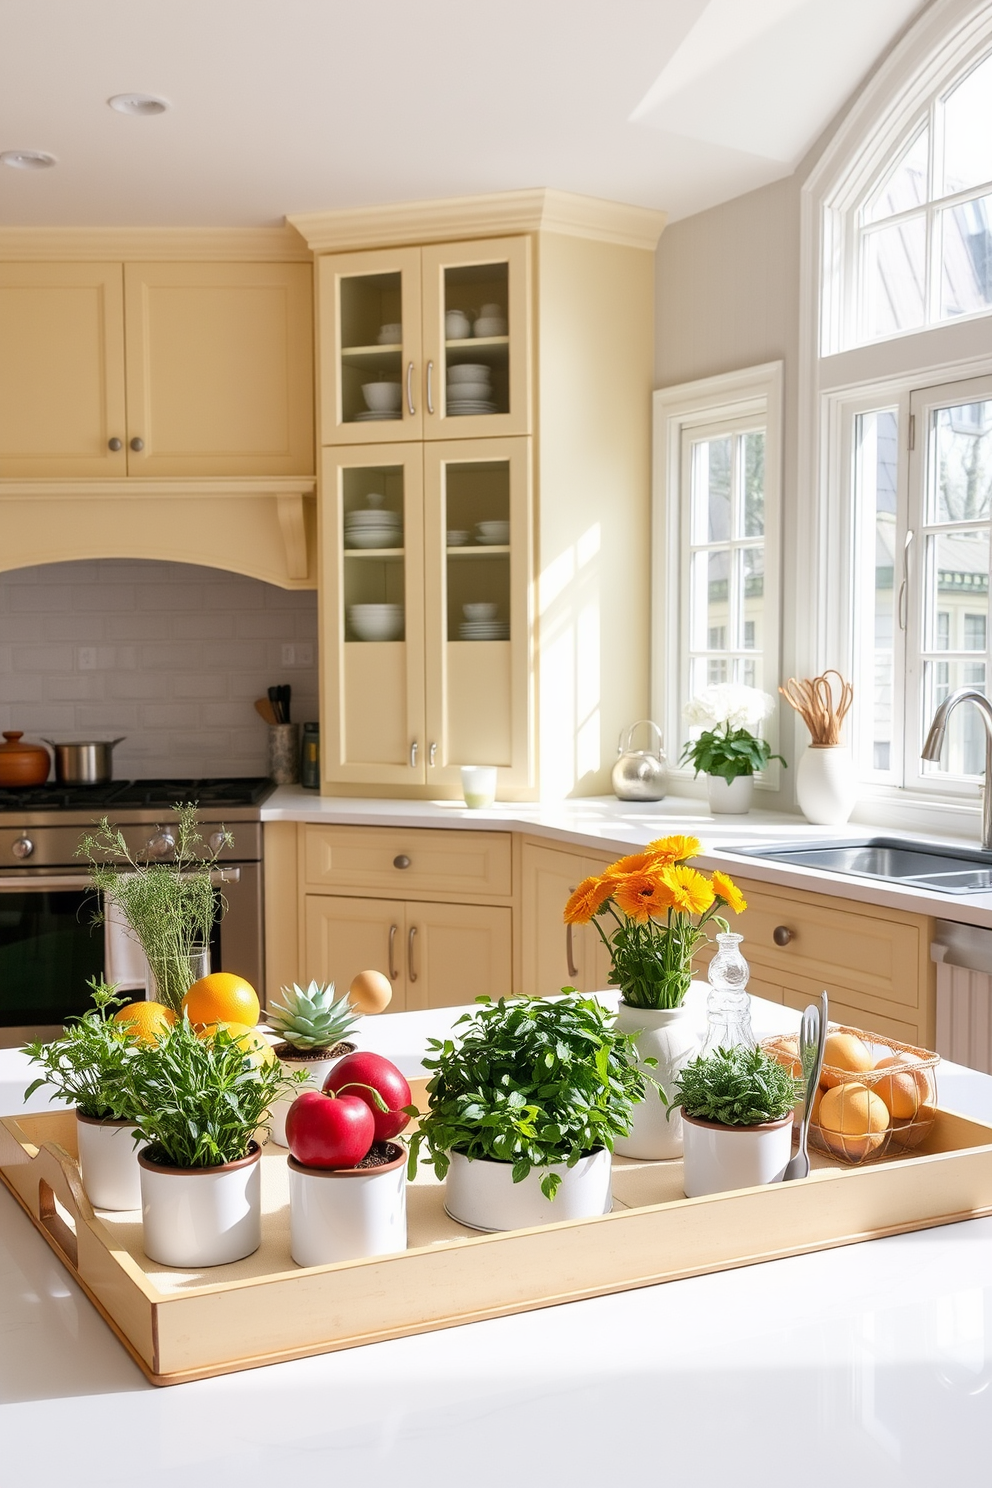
(477, 563)
(477, 342)
(372, 621)
(370, 347)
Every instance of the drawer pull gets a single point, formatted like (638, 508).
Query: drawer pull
(393, 973)
(409, 953)
(402, 861)
(781, 935)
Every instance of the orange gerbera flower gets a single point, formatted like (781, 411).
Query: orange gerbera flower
(727, 890)
(691, 892)
(633, 863)
(674, 849)
(589, 897)
(642, 896)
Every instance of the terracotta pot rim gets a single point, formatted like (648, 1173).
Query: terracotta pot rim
(116, 1121)
(722, 1127)
(254, 1155)
(389, 1167)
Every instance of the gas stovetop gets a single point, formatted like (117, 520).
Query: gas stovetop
(121, 795)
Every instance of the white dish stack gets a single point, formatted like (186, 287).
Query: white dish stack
(470, 390)
(373, 529)
(481, 624)
(376, 622)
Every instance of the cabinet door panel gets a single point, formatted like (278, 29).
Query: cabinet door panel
(455, 953)
(220, 368)
(346, 936)
(849, 1013)
(61, 369)
(548, 879)
(412, 861)
(360, 295)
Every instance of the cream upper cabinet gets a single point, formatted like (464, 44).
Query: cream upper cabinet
(155, 369)
(62, 369)
(400, 357)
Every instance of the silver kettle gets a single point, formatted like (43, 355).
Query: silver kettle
(640, 774)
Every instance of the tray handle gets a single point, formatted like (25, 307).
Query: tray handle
(62, 1204)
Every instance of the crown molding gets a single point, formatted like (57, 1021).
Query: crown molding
(497, 215)
(167, 244)
(130, 488)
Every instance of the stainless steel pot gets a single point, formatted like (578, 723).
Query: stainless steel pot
(640, 774)
(84, 763)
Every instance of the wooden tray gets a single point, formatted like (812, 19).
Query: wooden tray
(181, 1325)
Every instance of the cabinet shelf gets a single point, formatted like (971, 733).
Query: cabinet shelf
(396, 553)
(371, 351)
(483, 550)
(473, 343)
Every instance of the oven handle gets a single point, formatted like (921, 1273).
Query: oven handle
(27, 881)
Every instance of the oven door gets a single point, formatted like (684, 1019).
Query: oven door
(49, 949)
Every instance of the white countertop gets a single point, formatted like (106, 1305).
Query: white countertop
(624, 826)
(872, 1361)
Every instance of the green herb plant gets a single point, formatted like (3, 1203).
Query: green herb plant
(169, 906)
(739, 1086)
(529, 1082)
(199, 1099)
(728, 752)
(89, 1067)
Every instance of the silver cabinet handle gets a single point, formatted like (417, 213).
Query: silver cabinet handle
(409, 388)
(114, 444)
(409, 954)
(432, 756)
(430, 389)
(413, 755)
(393, 973)
(137, 444)
(573, 970)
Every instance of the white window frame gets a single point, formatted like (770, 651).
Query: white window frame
(743, 398)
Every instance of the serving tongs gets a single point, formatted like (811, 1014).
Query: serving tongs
(812, 1038)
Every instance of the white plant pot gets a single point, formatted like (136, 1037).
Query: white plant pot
(197, 1217)
(108, 1162)
(826, 787)
(667, 1035)
(317, 1071)
(482, 1194)
(338, 1214)
(718, 1158)
(729, 797)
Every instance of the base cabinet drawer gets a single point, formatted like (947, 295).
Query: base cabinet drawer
(397, 862)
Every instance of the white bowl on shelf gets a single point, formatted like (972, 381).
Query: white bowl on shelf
(480, 611)
(382, 397)
(460, 391)
(457, 325)
(376, 622)
(470, 372)
(377, 517)
(368, 538)
(493, 532)
(390, 334)
(456, 538)
(489, 326)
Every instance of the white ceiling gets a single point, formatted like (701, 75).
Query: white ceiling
(282, 106)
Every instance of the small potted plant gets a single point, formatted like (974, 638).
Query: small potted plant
(524, 1108)
(737, 1116)
(313, 1028)
(347, 1176)
(198, 1100)
(729, 751)
(88, 1068)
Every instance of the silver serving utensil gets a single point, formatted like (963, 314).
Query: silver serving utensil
(812, 1038)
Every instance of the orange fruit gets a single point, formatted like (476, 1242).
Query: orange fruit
(146, 1021)
(221, 997)
(852, 1120)
(843, 1051)
(254, 1043)
(370, 992)
(900, 1092)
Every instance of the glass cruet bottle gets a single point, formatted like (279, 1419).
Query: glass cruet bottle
(728, 1005)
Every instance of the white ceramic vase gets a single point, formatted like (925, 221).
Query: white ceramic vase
(482, 1194)
(826, 787)
(730, 797)
(195, 1217)
(317, 1071)
(667, 1035)
(718, 1157)
(338, 1214)
(108, 1163)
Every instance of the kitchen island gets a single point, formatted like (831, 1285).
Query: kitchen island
(874, 1358)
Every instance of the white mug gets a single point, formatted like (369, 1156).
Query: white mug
(479, 786)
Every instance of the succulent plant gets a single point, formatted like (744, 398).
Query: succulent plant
(312, 1019)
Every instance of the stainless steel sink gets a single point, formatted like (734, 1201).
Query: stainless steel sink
(942, 870)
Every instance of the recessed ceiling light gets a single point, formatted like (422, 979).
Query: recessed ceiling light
(27, 159)
(144, 104)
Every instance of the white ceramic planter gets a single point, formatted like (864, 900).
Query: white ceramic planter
(718, 1158)
(196, 1217)
(108, 1163)
(667, 1035)
(317, 1071)
(730, 797)
(482, 1194)
(338, 1214)
(826, 788)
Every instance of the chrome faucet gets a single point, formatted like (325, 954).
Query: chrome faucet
(935, 743)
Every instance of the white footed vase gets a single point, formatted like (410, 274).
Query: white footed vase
(667, 1035)
(108, 1163)
(339, 1214)
(826, 787)
(317, 1071)
(719, 1158)
(481, 1193)
(196, 1217)
(729, 797)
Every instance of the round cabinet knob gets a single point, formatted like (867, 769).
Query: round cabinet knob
(160, 845)
(22, 848)
(402, 861)
(137, 444)
(781, 935)
(216, 841)
(114, 444)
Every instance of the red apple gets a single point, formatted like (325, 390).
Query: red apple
(355, 1073)
(329, 1131)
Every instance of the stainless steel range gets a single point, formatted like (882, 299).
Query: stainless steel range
(49, 946)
